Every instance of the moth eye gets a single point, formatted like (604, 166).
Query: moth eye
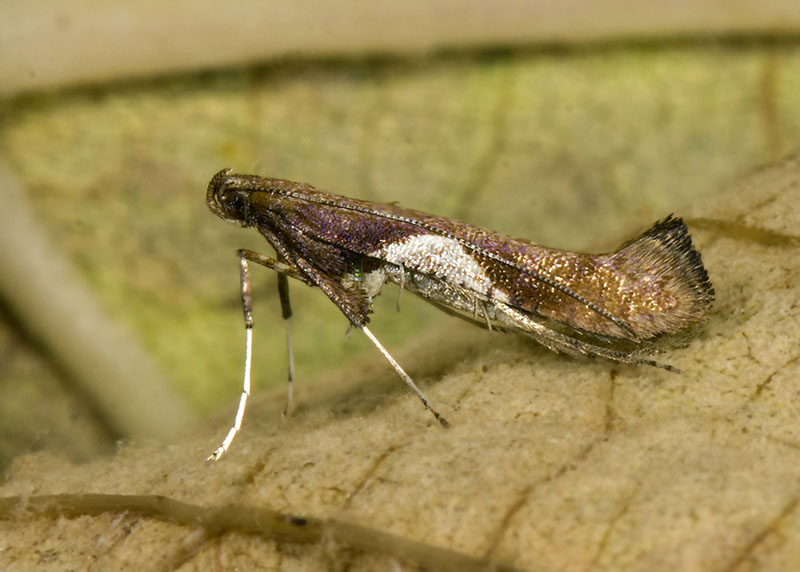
(235, 205)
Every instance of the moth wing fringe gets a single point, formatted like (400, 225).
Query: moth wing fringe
(664, 263)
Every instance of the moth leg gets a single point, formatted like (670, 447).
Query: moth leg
(557, 341)
(405, 377)
(284, 272)
(286, 311)
(247, 306)
(279, 266)
(479, 307)
(402, 285)
(486, 316)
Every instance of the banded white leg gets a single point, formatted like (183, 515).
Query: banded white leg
(284, 271)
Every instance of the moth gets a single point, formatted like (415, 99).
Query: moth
(599, 305)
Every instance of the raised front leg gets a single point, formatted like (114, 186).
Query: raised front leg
(284, 272)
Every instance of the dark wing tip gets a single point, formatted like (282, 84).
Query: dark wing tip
(673, 234)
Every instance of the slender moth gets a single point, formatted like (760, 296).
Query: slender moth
(599, 305)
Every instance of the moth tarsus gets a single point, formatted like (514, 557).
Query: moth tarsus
(599, 305)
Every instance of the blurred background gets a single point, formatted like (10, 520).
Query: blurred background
(573, 124)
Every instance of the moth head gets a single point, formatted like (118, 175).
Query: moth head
(228, 197)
